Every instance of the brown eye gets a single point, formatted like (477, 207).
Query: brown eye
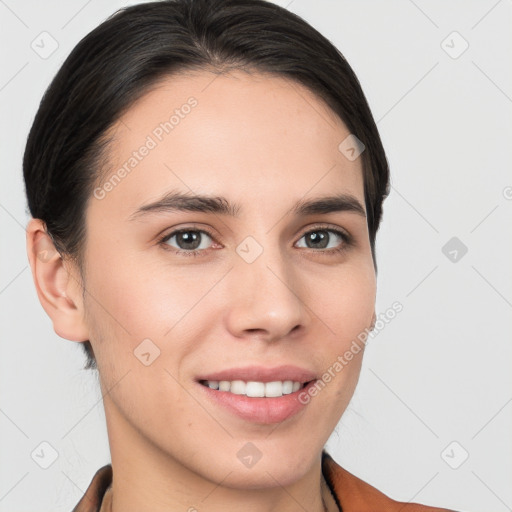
(322, 239)
(188, 240)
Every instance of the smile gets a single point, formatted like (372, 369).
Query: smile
(255, 389)
(257, 394)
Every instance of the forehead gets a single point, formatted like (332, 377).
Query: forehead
(250, 137)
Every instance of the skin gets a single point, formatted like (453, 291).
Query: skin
(263, 143)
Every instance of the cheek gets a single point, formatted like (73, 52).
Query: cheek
(345, 302)
(146, 319)
(143, 299)
(129, 316)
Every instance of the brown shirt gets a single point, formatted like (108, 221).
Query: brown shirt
(350, 493)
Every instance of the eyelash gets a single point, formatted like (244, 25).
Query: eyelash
(346, 241)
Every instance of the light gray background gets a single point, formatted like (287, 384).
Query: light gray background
(438, 373)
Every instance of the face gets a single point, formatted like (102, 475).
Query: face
(231, 248)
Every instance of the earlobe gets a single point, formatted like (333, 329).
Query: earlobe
(57, 286)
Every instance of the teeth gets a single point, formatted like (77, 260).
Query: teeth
(287, 387)
(276, 388)
(237, 387)
(255, 389)
(224, 385)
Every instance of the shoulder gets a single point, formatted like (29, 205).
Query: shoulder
(354, 495)
(350, 492)
(92, 499)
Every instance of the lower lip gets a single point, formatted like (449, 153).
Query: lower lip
(259, 410)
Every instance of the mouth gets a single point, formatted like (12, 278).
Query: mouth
(256, 389)
(258, 394)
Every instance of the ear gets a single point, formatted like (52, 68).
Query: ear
(57, 284)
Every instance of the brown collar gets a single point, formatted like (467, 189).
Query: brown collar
(354, 495)
(350, 493)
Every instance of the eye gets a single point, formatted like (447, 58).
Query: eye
(323, 239)
(188, 240)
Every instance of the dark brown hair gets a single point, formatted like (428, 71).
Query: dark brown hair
(122, 58)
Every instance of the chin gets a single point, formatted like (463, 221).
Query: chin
(269, 475)
(269, 467)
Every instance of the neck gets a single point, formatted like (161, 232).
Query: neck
(146, 479)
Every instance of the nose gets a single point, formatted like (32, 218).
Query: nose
(266, 300)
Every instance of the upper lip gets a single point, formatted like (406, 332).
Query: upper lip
(262, 374)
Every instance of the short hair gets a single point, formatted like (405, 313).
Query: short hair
(138, 46)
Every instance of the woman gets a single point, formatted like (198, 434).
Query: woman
(206, 183)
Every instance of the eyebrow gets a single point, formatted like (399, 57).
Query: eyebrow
(178, 201)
